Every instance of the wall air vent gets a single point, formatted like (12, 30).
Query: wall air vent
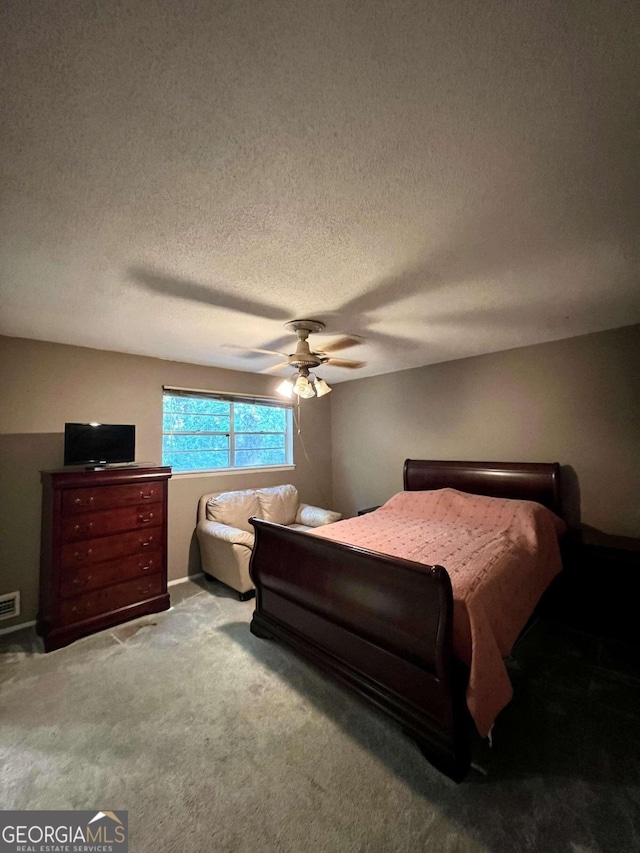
(9, 605)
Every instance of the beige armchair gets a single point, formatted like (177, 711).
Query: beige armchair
(226, 537)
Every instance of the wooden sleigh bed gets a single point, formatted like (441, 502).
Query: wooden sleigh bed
(384, 625)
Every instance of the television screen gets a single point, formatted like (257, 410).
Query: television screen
(86, 444)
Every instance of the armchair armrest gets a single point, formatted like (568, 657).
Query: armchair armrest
(224, 532)
(315, 516)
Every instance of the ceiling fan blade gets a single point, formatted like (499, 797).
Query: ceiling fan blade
(344, 343)
(250, 350)
(275, 367)
(345, 362)
(271, 352)
(283, 341)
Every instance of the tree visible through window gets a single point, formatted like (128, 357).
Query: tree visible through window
(204, 432)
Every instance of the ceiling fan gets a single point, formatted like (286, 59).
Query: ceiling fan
(303, 383)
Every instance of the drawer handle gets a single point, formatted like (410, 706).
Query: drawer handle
(82, 555)
(147, 496)
(86, 527)
(145, 519)
(145, 568)
(80, 502)
(78, 583)
(144, 589)
(80, 610)
(147, 543)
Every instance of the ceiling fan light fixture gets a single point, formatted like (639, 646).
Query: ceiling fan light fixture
(305, 384)
(321, 387)
(303, 388)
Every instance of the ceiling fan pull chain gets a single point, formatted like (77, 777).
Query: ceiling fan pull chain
(297, 418)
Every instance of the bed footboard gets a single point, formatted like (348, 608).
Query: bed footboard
(381, 625)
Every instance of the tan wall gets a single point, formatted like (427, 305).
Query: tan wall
(575, 401)
(44, 385)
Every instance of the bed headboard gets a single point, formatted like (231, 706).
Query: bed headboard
(531, 481)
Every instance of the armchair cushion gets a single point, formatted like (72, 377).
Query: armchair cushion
(233, 535)
(234, 508)
(278, 504)
(314, 516)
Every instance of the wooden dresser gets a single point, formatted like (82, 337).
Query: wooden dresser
(103, 557)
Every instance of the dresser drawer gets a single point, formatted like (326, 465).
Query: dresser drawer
(105, 497)
(87, 578)
(111, 598)
(93, 551)
(92, 524)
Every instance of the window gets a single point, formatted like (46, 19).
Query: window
(207, 431)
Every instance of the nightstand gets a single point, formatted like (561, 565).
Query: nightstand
(598, 590)
(368, 509)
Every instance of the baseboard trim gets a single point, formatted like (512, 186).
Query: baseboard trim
(22, 625)
(17, 627)
(186, 578)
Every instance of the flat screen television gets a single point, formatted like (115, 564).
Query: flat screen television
(99, 444)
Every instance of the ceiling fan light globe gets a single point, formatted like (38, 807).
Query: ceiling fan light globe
(322, 388)
(285, 388)
(303, 388)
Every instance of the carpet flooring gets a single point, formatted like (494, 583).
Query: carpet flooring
(214, 740)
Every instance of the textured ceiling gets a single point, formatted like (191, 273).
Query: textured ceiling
(443, 178)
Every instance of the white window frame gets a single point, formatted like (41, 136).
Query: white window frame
(227, 397)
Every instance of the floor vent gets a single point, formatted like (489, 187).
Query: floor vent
(9, 605)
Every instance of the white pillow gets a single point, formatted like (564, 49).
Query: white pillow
(279, 504)
(234, 508)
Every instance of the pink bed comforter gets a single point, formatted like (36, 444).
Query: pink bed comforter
(500, 555)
